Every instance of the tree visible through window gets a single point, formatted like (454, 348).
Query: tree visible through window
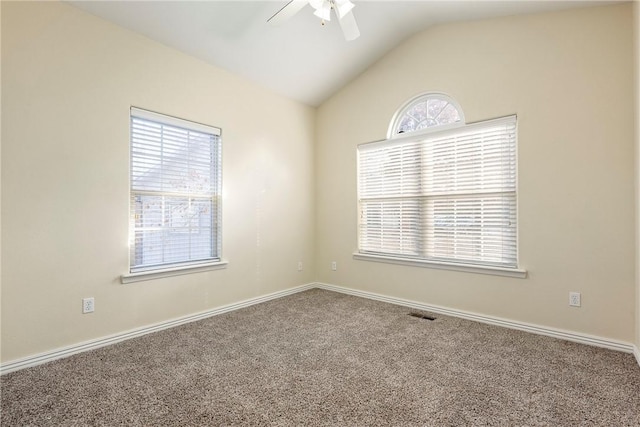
(175, 192)
(443, 193)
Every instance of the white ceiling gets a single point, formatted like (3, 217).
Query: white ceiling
(299, 59)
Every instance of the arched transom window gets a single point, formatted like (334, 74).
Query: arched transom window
(426, 111)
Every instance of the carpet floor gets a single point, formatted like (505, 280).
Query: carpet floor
(324, 358)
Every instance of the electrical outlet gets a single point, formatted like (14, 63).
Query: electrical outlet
(299, 265)
(574, 299)
(334, 265)
(88, 305)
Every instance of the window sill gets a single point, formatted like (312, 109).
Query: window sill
(467, 268)
(168, 272)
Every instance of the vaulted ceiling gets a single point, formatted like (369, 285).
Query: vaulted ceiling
(300, 59)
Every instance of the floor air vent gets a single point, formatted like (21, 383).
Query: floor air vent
(422, 316)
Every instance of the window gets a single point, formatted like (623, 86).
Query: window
(445, 196)
(175, 192)
(426, 111)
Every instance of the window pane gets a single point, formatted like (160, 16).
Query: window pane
(473, 230)
(448, 195)
(391, 227)
(175, 180)
(391, 171)
(427, 111)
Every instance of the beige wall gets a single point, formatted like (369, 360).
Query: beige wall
(68, 80)
(568, 76)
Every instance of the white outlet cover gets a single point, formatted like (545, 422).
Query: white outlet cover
(574, 299)
(88, 305)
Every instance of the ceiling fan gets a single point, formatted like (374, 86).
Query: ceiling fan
(342, 9)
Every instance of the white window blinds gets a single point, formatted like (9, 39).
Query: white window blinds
(175, 192)
(445, 196)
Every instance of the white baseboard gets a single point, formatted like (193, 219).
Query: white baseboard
(59, 353)
(527, 327)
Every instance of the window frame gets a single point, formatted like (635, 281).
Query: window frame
(214, 194)
(408, 137)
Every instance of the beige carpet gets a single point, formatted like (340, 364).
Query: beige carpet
(323, 358)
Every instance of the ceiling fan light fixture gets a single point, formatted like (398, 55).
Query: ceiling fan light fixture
(324, 11)
(343, 7)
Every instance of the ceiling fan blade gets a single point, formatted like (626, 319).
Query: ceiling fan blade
(287, 11)
(349, 26)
